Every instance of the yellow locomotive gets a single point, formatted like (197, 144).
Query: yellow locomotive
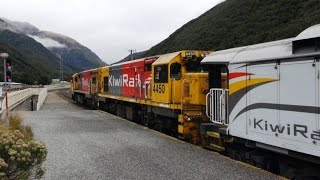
(166, 92)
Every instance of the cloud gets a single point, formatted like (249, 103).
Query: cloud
(48, 43)
(108, 27)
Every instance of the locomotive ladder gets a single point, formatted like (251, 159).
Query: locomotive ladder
(217, 106)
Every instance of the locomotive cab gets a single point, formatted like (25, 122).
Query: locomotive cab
(85, 86)
(75, 85)
(75, 82)
(181, 84)
(178, 78)
(103, 79)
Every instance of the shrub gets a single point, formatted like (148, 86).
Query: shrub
(16, 123)
(21, 157)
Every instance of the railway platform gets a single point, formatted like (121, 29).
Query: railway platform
(92, 144)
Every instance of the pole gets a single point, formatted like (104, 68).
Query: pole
(131, 53)
(5, 84)
(7, 106)
(60, 69)
(62, 65)
(4, 56)
(5, 73)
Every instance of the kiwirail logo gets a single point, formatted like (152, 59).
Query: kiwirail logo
(125, 81)
(289, 129)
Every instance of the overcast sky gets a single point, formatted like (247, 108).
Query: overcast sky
(108, 27)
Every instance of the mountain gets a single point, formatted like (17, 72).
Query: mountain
(26, 52)
(43, 50)
(17, 27)
(235, 23)
(74, 55)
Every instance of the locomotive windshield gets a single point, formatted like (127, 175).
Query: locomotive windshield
(175, 71)
(193, 65)
(161, 74)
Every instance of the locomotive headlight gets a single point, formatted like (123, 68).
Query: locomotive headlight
(187, 118)
(205, 91)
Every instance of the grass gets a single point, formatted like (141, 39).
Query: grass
(16, 123)
(21, 157)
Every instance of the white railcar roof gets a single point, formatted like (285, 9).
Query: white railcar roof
(261, 52)
(258, 52)
(311, 32)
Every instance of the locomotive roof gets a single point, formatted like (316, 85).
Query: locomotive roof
(90, 70)
(281, 49)
(166, 58)
(127, 62)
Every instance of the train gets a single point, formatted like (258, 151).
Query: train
(166, 92)
(257, 103)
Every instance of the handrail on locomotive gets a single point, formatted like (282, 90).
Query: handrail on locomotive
(217, 105)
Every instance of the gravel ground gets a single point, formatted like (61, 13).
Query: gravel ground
(88, 144)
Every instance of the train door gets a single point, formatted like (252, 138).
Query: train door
(94, 84)
(262, 87)
(85, 78)
(318, 96)
(161, 88)
(298, 100)
(175, 77)
(138, 81)
(147, 76)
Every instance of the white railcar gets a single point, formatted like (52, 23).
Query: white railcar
(273, 95)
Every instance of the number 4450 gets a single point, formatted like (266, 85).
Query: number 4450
(159, 88)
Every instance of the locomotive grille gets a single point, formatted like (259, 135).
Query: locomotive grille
(186, 89)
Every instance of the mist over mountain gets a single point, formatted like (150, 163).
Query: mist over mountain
(73, 53)
(44, 49)
(17, 27)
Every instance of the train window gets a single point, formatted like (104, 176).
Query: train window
(147, 67)
(105, 84)
(193, 65)
(94, 80)
(161, 74)
(175, 71)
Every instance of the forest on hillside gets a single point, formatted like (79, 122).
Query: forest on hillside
(235, 23)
